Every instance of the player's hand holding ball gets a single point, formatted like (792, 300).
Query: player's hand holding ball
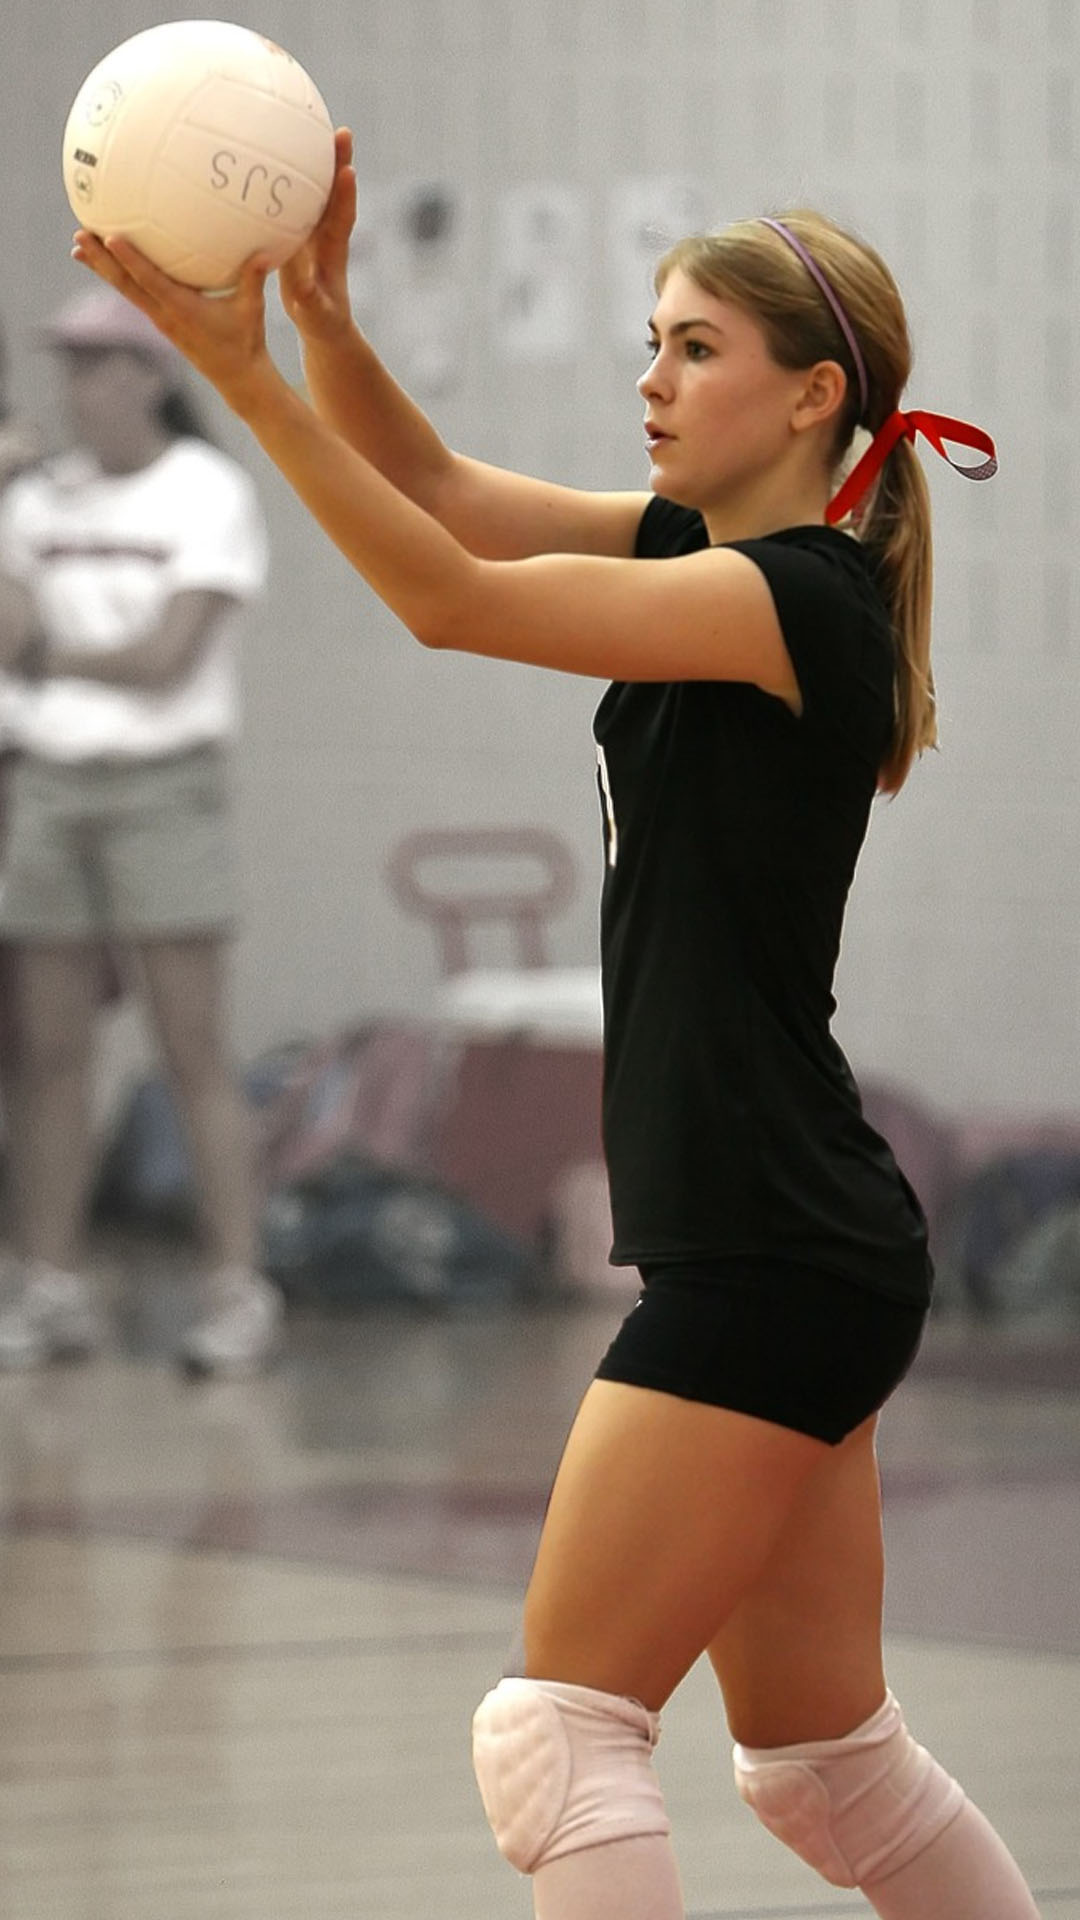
(224, 340)
(199, 157)
(202, 143)
(314, 281)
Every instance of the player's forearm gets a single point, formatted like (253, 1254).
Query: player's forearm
(355, 394)
(421, 571)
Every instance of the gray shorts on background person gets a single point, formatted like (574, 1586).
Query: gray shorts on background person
(131, 850)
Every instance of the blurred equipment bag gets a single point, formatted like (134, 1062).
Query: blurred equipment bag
(352, 1233)
(370, 1092)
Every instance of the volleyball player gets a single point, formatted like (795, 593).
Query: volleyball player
(770, 673)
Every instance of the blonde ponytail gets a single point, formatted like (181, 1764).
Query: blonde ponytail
(895, 530)
(753, 263)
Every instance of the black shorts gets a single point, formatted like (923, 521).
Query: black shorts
(790, 1344)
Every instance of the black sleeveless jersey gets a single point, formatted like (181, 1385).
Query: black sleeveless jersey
(732, 1122)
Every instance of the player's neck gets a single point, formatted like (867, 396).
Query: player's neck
(771, 502)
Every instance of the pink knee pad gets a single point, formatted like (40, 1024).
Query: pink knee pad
(854, 1809)
(562, 1768)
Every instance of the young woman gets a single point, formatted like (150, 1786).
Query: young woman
(125, 560)
(718, 1492)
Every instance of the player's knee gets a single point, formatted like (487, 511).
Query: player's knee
(561, 1768)
(855, 1809)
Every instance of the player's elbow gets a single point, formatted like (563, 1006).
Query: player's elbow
(447, 630)
(447, 618)
(432, 629)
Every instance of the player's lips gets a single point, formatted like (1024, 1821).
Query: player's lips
(654, 435)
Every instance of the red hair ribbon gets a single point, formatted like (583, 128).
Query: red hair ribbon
(935, 427)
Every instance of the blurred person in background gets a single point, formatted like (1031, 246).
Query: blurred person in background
(123, 565)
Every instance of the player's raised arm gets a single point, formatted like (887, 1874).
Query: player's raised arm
(744, 438)
(495, 513)
(705, 616)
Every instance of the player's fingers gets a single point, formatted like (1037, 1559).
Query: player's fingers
(92, 252)
(87, 248)
(157, 289)
(343, 202)
(251, 283)
(330, 241)
(340, 210)
(297, 275)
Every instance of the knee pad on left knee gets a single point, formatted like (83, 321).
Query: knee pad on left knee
(561, 1768)
(855, 1809)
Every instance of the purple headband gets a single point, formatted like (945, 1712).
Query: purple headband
(842, 320)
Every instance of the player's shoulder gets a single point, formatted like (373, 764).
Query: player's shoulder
(827, 569)
(824, 545)
(666, 529)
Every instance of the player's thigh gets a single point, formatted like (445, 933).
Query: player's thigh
(663, 1513)
(799, 1658)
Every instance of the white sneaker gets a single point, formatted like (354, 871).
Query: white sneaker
(54, 1316)
(241, 1328)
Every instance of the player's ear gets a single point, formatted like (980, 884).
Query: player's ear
(822, 394)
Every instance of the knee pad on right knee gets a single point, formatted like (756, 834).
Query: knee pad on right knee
(561, 1768)
(855, 1809)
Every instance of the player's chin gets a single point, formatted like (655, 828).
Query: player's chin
(662, 472)
(665, 479)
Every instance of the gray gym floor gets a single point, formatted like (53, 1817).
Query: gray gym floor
(243, 1626)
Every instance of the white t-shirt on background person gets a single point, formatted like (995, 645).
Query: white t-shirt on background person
(103, 554)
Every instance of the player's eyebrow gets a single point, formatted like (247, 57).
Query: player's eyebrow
(684, 326)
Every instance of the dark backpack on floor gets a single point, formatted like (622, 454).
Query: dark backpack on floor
(355, 1234)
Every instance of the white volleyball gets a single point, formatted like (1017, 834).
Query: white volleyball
(200, 142)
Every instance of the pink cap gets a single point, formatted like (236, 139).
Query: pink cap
(102, 318)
